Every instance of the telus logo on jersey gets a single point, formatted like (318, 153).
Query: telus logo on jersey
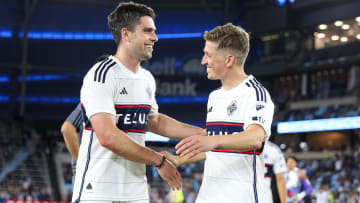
(227, 128)
(132, 118)
(223, 128)
(135, 118)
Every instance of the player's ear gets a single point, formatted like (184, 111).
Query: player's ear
(125, 34)
(230, 60)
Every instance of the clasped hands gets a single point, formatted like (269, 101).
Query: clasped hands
(187, 149)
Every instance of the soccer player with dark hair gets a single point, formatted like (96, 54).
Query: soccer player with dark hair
(119, 105)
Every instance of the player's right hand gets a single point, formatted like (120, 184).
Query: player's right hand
(173, 158)
(171, 175)
(193, 145)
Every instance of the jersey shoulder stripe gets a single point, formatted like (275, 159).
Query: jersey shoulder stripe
(102, 69)
(262, 88)
(259, 93)
(106, 70)
(256, 90)
(259, 90)
(99, 67)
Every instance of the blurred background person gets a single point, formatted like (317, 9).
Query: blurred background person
(297, 183)
(323, 195)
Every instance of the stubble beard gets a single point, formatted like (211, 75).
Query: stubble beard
(146, 56)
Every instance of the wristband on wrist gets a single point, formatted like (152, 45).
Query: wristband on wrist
(162, 162)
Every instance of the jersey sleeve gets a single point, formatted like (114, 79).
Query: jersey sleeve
(259, 111)
(279, 162)
(98, 96)
(75, 117)
(154, 106)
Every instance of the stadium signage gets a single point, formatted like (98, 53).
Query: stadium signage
(329, 124)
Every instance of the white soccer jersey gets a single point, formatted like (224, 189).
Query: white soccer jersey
(109, 87)
(230, 175)
(274, 164)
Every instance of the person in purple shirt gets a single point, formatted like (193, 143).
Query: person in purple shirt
(297, 183)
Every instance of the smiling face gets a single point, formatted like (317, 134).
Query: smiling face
(215, 61)
(142, 40)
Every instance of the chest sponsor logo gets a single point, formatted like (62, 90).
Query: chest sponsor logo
(132, 118)
(223, 128)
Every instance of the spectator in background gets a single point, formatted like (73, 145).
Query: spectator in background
(44, 194)
(4, 194)
(323, 195)
(297, 183)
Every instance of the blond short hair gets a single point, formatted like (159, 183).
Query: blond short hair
(230, 38)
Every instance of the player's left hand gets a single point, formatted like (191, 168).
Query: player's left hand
(171, 175)
(195, 144)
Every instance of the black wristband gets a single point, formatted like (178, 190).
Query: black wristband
(162, 162)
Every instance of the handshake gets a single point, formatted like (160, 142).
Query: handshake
(167, 169)
(174, 159)
(191, 149)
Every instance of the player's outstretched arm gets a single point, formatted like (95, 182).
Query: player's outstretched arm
(69, 133)
(181, 160)
(249, 139)
(166, 126)
(114, 139)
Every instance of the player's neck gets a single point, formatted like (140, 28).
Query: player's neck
(128, 61)
(233, 78)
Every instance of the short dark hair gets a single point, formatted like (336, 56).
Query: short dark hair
(294, 158)
(127, 14)
(232, 38)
